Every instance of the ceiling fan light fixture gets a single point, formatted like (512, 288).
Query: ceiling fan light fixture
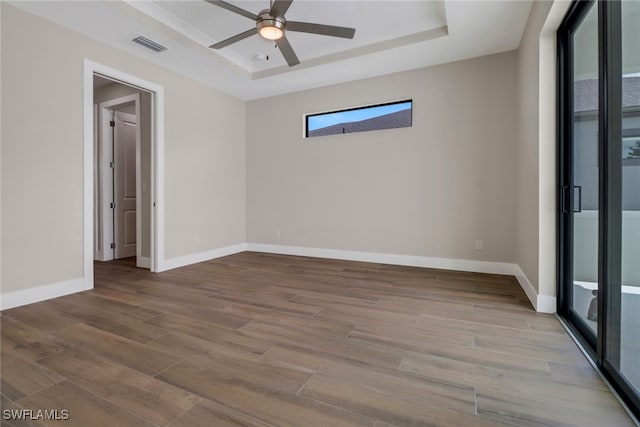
(270, 27)
(271, 33)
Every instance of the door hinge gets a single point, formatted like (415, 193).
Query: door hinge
(112, 205)
(112, 123)
(111, 165)
(113, 246)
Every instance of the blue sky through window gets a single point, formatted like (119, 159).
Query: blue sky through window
(330, 119)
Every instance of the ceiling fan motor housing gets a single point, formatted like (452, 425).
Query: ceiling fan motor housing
(267, 21)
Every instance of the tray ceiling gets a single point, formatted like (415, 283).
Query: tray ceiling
(390, 36)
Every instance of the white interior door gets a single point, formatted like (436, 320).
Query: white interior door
(124, 184)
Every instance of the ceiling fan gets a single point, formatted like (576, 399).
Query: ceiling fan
(272, 25)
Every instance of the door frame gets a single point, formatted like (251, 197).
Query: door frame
(105, 145)
(157, 163)
(574, 17)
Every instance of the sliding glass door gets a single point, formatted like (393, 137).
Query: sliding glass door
(599, 203)
(581, 189)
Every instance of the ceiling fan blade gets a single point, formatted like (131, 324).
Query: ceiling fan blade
(234, 39)
(233, 8)
(325, 30)
(287, 51)
(280, 7)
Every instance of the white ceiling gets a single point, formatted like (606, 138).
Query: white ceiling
(391, 36)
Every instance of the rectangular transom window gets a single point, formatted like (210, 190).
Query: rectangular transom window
(360, 119)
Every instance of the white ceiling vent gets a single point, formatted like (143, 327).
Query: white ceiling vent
(149, 44)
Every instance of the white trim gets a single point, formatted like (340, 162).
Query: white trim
(106, 183)
(203, 256)
(88, 181)
(157, 163)
(394, 259)
(97, 233)
(157, 184)
(143, 262)
(139, 180)
(542, 303)
(44, 292)
(546, 304)
(527, 287)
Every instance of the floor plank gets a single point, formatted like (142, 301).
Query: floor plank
(26, 341)
(207, 414)
(367, 352)
(456, 396)
(125, 327)
(16, 420)
(121, 350)
(506, 406)
(44, 317)
(264, 403)
(140, 394)
(84, 409)
(209, 332)
(384, 404)
(22, 378)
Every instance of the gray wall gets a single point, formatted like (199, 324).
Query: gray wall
(429, 190)
(536, 147)
(42, 154)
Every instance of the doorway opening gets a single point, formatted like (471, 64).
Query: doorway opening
(122, 160)
(123, 163)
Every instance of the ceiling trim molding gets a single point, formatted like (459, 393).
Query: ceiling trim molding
(358, 51)
(163, 21)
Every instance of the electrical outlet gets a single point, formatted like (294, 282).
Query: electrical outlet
(278, 234)
(479, 245)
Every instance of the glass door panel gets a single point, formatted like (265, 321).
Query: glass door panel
(630, 195)
(584, 182)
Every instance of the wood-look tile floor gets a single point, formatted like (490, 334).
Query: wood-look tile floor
(269, 340)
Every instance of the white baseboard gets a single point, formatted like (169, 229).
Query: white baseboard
(527, 287)
(44, 292)
(101, 256)
(546, 304)
(181, 261)
(143, 262)
(542, 303)
(394, 259)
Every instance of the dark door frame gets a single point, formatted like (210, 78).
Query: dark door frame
(604, 348)
(566, 202)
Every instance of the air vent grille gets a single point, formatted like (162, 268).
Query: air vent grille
(149, 44)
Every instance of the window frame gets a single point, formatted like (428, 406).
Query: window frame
(306, 117)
